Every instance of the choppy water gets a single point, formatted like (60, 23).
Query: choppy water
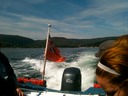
(28, 62)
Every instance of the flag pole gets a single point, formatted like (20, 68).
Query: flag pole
(46, 47)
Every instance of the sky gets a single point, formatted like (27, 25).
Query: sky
(79, 19)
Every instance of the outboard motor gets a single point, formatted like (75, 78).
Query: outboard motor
(71, 80)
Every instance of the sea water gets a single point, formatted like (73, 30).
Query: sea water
(28, 62)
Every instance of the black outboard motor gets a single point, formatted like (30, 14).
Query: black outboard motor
(71, 80)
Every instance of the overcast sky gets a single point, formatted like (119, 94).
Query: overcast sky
(80, 19)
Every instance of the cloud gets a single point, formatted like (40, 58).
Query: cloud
(71, 19)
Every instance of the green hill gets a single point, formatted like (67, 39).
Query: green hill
(23, 42)
(15, 41)
(63, 42)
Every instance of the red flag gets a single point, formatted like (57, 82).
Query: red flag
(53, 53)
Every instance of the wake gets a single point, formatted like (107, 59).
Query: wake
(54, 71)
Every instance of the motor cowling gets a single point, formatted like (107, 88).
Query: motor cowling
(71, 79)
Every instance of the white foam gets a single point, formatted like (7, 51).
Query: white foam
(54, 70)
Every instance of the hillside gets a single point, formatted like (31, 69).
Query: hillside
(23, 42)
(14, 41)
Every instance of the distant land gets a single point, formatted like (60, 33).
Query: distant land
(15, 41)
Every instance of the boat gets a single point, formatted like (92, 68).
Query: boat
(70, 86)
(71, 79)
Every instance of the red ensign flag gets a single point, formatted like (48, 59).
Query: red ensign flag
(53, 53)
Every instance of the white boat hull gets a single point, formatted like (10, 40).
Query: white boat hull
(30, 92)
(55, 94)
